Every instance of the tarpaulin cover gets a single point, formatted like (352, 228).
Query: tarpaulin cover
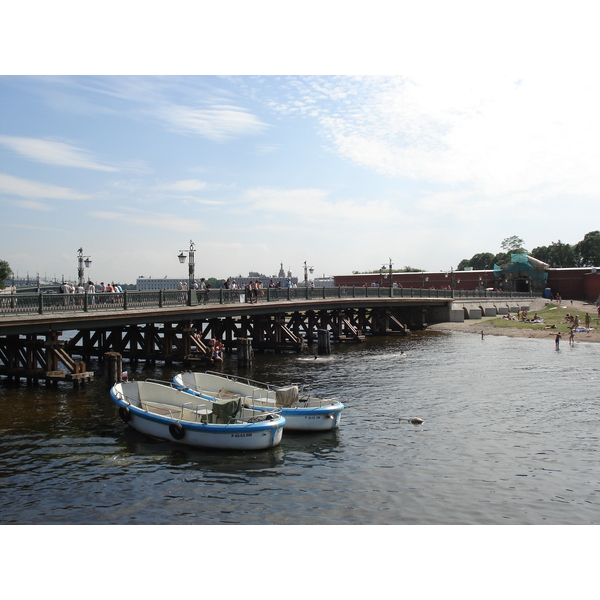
(225, 409)
(286, 396)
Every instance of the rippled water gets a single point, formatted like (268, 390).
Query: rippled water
(510, 437)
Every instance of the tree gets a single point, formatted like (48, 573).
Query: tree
(588, 249)
(5, 273)
(542, 253)
(408, 269)
(502, 258)
(513, 244)
(557, 255)
(215, 283)
(481, 261)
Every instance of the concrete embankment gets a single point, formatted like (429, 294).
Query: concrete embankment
(486, 325)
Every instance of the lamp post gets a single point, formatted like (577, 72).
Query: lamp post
(82, 260)
(452, 280)
(191, 262)
(389, 267)
(306, 271)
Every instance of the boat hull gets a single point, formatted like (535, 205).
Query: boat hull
(239, 436)
(314, 415)
(229, 438)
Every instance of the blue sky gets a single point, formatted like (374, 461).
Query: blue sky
(443, 132)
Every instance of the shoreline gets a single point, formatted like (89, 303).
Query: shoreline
(477, 326)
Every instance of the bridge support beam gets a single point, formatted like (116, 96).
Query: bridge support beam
(174, 335)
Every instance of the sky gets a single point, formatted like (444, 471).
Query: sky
(340, 139)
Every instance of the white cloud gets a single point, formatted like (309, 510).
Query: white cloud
(489, 132)
(154, 220)
(53, 153)
(33, 205)
(184, 185)
(35, 227)
(33, 189)
(314, 205)
(219, 123)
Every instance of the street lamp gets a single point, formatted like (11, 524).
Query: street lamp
(82, 260)
(306, 270)
(191, 262)
(452, 281)
(389, 266)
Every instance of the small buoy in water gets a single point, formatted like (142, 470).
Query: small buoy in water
(414, 420)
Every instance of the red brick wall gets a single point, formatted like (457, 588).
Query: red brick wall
(569, 283)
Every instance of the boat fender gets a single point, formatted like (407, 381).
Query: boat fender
(176, 430)
(125, 414)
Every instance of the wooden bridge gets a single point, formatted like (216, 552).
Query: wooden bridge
(41, 334)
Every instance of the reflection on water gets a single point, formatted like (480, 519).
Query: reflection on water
(510, 436)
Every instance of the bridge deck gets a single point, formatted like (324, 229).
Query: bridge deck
(12, 324)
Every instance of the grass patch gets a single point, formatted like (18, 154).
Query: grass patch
(551, 315)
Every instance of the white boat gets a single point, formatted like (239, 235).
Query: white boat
(160, 410)
(301, 410)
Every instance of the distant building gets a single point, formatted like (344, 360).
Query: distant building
(523, 274)
(265, 280)
(166, 283)
(323, 282)
(148, 283)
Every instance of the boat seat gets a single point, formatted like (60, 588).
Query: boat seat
(166, 410)
(286, 396)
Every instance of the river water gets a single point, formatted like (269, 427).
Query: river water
(510, 436)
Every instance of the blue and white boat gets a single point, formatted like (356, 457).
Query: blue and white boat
(302, 411)
(161, 410)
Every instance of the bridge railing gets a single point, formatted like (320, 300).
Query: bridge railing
(45, 303)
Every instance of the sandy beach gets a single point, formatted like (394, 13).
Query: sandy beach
(476, 326)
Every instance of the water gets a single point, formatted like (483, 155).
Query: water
(510, 437)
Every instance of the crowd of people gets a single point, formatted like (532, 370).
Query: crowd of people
(90, 287)
(253, 289)
(232, 284)
(201, 285)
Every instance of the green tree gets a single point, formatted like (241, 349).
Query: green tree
(408, 269)
(588, 249)
(480, 261)
(513, 244)
(557, 255)
(5, 273)
(502, 258)
(542, 253)
(483, 260)
(215, 283)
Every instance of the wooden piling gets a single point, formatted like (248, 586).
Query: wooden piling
(113, 368)
(324, 341)
(244, 352)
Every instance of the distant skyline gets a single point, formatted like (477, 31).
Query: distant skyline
(468, 132)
